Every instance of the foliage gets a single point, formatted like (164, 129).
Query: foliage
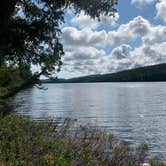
(25, 142)
(29, 29)
(156, 163)
(12, 77)
(29, 35)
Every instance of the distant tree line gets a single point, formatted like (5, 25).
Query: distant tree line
(149, 73)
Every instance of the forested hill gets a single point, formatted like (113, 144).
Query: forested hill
(149, 73)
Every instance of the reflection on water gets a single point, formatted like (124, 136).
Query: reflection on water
(136, 112)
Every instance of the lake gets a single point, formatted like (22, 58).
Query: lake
(135, 112)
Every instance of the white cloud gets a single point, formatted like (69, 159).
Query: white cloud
(72, 37)
(149, 54)
(161, 10)
(126, 32)
(142, 2)
(134, 29)
(85, 21)
(93, 61)
(123, 57)
(156, 34)
(85, 48)
(131, 31)
(121, 52)
(109, 19)
(84, 53)
(85, 60)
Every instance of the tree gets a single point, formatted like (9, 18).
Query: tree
(29, 29)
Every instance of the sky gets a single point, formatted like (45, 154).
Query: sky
(134, 37)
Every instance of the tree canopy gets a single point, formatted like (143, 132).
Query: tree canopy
(30, 29)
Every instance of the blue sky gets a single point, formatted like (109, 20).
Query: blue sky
(135, 37)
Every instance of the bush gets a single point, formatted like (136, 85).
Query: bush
(25, 142)
(12, 77)
(156, 163)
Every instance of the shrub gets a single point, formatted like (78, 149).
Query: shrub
(24, 142)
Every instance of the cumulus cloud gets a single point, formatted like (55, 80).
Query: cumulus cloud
(124, 57)
(86, 53)
(121, 52)
(142, 2)
(72, 37)
(93, 61)
(134, 29)
(110, 19)
(84, 60)
(156, 34)
(161, 10)
(85, 21)
(149, 54)
(131, 31)
(126, 32)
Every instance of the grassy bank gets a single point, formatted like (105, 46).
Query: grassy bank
(25, 142)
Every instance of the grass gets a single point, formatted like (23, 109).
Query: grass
(24, 142)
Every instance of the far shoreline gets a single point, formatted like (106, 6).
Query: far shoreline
(101, 82)
(155, 73)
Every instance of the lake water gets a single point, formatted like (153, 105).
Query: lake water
(135, 112)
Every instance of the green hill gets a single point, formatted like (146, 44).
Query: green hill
(143, 74)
